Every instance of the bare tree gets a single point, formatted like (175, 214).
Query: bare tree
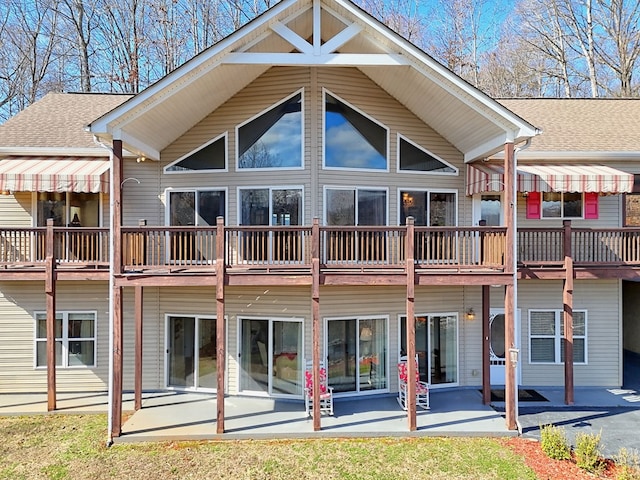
(121, 34)
(402, 16)
(619, 51)
(79, 16)
(543, 28)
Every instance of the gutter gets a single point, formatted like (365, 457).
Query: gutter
(111, 272)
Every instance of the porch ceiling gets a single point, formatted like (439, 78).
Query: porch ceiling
(320, 33)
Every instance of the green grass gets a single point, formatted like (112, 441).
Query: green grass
(73, 447)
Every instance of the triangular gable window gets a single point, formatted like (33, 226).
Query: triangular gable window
(352, 139)
(416, 159)
(211, 156)
(273, 139)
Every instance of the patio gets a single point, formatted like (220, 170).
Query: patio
(190, 416)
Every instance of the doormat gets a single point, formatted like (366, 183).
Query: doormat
(524, 395)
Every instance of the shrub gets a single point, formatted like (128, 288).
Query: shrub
(628, 464)
(587, 452)
(554, 442)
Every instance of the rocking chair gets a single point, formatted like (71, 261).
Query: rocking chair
(422, 388)
(326, 392)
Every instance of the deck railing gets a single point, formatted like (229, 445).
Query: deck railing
(290, 247)
(71, 246)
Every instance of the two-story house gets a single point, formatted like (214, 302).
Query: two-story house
(311, 188)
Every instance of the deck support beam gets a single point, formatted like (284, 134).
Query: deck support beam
(486, 365)
(221, 347)
(510, 289)
(411, 327)
(116, 299)
(50, 293)
(138, 308)
(315, 321)
(567, 300)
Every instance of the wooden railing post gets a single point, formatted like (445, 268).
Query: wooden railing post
(315, 321)
(116, 300)
(221, 348)
(510, 289)
(50, 292)
(482, 223)
(138, 309)
(567, 300)
(411, 326)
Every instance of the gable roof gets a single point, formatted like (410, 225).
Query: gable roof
(55, 124)
(581, 127)
(322, 33)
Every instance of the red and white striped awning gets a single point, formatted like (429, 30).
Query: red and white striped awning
(487, 177)
(54, 174)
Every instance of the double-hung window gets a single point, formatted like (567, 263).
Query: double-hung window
(546, 336)
(75, 337)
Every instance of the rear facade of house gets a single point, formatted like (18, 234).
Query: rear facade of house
(271, 152)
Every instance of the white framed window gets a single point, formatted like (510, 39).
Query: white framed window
(562, 205)
(210, 157)
(546, 335)
(273, 139)
(352, 139)
(434, 208)
(276, 206)
(195, 207)
(348, 206)
(416, 159)
(75, 334)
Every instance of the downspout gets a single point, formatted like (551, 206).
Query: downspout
(111, 272)
(515, 268)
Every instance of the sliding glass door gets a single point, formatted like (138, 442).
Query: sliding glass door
(191, 353)
(436, 347)
(271, 356)
(356, 354)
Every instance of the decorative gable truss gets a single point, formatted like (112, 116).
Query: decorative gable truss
(329, 33)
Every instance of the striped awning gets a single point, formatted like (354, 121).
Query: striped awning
(54, 174)
(485, 177)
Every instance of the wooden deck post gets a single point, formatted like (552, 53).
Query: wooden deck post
(221, 348)
(50, 293)
(411, 326)
(509, 297)
(486, 365)
(315, 321)
(138, 307)
(116, 300)
(567, 300)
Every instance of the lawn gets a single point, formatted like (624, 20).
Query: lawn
(73, 447)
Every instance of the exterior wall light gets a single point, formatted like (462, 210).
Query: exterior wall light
(470, 315)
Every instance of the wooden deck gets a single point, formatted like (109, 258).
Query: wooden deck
(346, 255)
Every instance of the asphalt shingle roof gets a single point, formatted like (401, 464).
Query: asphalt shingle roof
(58, 120)
(581, 124)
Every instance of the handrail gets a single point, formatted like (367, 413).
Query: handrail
(341, 247)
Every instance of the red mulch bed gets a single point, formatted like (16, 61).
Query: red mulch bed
(549, 469)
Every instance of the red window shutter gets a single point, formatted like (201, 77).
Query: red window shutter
(533, 205)
(591, 205)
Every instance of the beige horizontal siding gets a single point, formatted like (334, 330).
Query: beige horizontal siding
(601, 300)
(15, 210)
(18, 302)
(352, 86)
